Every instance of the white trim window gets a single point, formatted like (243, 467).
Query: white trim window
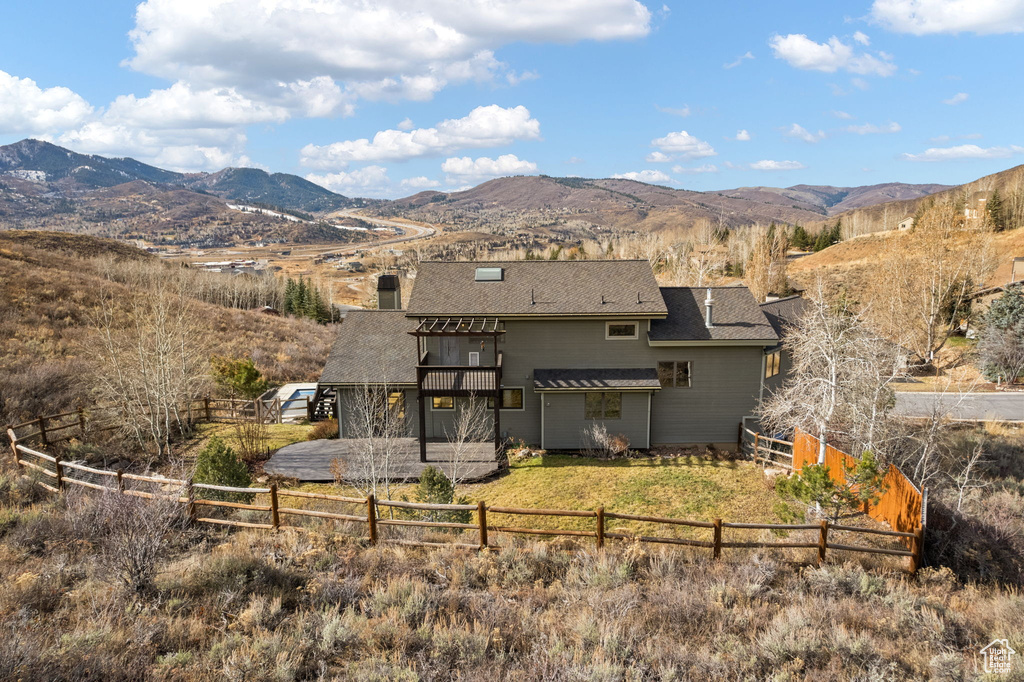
(606, 405)
(772, 364)
(512, 398)
(621, 331)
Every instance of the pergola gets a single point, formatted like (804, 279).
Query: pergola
(458, 381)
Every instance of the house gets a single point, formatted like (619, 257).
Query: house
(781, 313)
(906, 223)
(555, 347)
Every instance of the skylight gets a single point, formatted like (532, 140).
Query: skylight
(490, 274)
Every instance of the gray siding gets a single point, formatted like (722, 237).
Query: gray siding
(726, 380)
(564, 423)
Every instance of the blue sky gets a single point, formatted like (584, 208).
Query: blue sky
(385, 99)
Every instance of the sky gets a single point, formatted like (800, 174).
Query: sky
(388, 98)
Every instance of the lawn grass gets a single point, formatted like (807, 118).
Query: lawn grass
(692, 488)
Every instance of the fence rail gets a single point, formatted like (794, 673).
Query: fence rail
(188, 493)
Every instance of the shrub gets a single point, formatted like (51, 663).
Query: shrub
(597, 442)
(238, 377)
(436, 488)
(217, 464)
(326, 429)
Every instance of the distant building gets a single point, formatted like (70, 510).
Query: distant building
(1017, 270)
(905, 224)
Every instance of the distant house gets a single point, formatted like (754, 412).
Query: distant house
(1017, 270)
(554, 347)
(905, 224)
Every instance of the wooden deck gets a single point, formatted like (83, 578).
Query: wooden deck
(311, 460)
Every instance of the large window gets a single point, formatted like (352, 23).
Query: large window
(602, 406)
(443, 402)
(675, 374)
(621, 330)
(511, 399)
(772, 364)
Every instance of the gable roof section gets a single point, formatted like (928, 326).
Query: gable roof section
(784, 312)
(373, 346)
(735, 314)
(538, 289)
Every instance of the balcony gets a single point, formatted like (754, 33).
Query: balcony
(458, 380)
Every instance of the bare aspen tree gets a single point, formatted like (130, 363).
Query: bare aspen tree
(473, 423)
(374, 421)
(698, 260)
(152, 359)
(921, 293)
(840, 386)
(765, 270)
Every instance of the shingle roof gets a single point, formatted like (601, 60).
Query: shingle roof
(643, 378)
(784, 312)
(541, 288)
(373, 346)
(735, 314)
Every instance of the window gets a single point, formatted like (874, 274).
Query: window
(511, 399)
(602, 406)
(675, 374)
(772, 364)
(443, 402)
(490, 274)
(396, 404)
(621, 330)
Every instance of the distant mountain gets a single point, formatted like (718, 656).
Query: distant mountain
(526, 202)
(830, 200)
(69, 173)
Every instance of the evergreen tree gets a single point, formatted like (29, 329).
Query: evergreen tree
(238, 377)
(996, 212)
(217, 464)
(800, 239)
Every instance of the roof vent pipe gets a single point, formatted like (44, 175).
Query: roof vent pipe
(708, 304)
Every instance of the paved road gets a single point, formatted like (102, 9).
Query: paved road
(1001, 406)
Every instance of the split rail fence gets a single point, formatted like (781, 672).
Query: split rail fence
(283, 512)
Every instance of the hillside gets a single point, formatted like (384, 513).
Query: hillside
(886, 216)
(50, 288)
(537, 202)
(68, 174)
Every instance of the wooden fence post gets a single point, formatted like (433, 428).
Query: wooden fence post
(120, 480)
(822, 541)
(371, 518)
(757, 438)
(918, 548)
(739, 440)
(600, 527)
(481, 517)
(206, 404)
(190, 505)
(81, 420)
(280, 416)
(718, 538)
(42, 430)
(14, 445)
(59, 468)
(275, 518)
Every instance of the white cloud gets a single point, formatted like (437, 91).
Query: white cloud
(684, 145)
(460, 169)
(921, 17)
(739, 60)
(798, 131)
(179, 106)
(683, 111)
(803, 53)
(653, 177)
(489, 126)
(742, 136)
(861, 38)
(389, 49)
(420, 182)
(27, 108)
(871, 129)
(767, 165)
(367, 181)
(842, 114)
(706, 168)
(964, 151)
(513, 78)
(956, 99)
(405, 124)
(574, 160)
(658, 157)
